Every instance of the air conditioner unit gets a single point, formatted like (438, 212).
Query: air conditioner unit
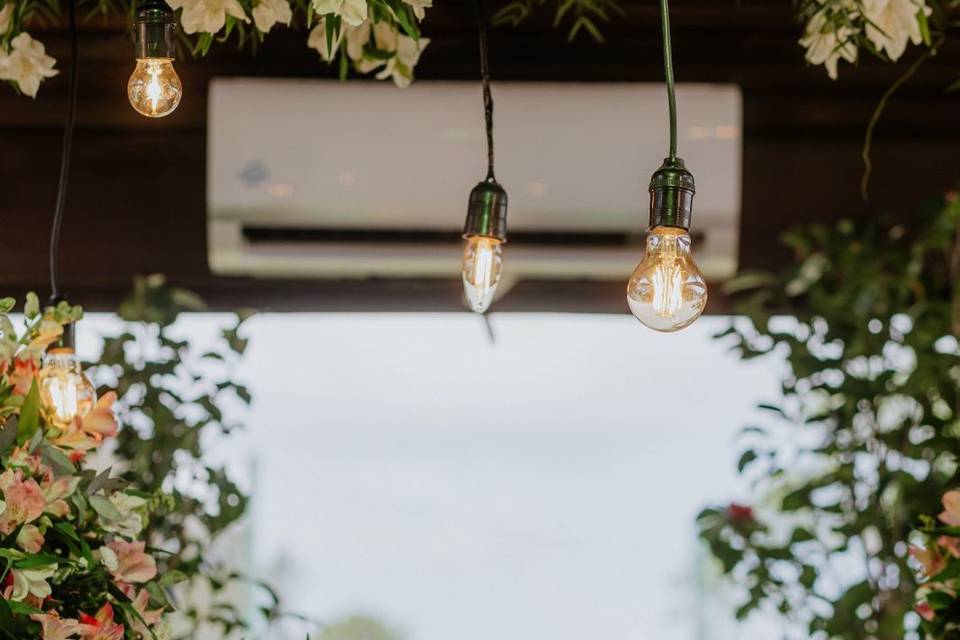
(322, 179)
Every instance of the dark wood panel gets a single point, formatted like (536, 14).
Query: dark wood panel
(137, 199)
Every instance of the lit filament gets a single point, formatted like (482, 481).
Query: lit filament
(154, 90)
(482, 261)
(667, 287)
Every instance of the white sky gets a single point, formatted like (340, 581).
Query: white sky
(544, 486)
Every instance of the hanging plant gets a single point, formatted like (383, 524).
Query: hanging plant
(863, 440)
(74, 561)
(381, 37)
(938, 557)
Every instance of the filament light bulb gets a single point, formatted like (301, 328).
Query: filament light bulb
(482, 262)
(667, 291)
(154, 88)
(64, 387)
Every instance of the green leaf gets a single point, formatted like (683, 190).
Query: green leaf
(29, 424)
(105, 508)
(32, 307)
(7, 305)
(748, 456)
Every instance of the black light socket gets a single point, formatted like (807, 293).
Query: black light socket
(671, 195)
(487, 211)
(154, 31)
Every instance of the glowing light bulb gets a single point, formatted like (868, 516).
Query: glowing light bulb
(667, 292)
(154, 88)
(64, 387)
(482, 262)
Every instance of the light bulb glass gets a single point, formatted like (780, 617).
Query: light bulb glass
(482, 262)
(667, 292)
(154, 88)
(64, 387)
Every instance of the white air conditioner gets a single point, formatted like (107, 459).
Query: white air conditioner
(322, 179)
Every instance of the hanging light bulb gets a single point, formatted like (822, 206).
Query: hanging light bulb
(485, 230)
(154, 88)
(484, 234)
(667, 292)
(64, 387)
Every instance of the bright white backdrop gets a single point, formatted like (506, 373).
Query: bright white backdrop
(544, 485)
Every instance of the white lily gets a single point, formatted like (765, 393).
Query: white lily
(207, 16)
(420, 7)
(893, 23)
(270, 12)
(353, 12)
(826, 44)
(27, 64)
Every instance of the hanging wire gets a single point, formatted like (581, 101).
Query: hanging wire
(485, 78)
(668, 72)
(65, 154)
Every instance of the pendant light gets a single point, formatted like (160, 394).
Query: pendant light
(154, 88)
(667, 291)
(485, 229)
(64, 388)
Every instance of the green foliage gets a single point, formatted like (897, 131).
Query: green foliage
(581, 15)
(171, 398)
(865, 436)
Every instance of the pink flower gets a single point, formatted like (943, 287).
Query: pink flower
(925, 611)
(55, 490)
(53, 627)
(23, 501)
(24, 371)
(951, 544)
(100, 627)
(739, 513)
(128, 562)
(141, 600)
(30, 539)
(87, 432)
(951, 509)
(20, 457)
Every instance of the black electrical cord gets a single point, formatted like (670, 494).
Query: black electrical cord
(65, 154)
(668, 73)
(485, 78)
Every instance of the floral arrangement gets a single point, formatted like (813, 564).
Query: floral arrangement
(381, 36)
(939, 563)
(73, 564)
(838, 29)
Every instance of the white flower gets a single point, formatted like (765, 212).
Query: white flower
(318, 40)
(420, 7)
(400, 66)
(357, 38)
(32, 582)
(26, 64)
(270, 12)
(826, 44)
(207, 16)
(353, 12)
(891, 23)
(5, 14)
(130, 523)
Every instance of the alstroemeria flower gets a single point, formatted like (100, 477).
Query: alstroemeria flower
(24, 372)
(55, 490)
(89, 431)
(141, 600)
(951, 544)
(318, 40)
(925, 611)
(5, 15)
(23, 501)
(21, 457)
(49, 331)
(827, 43)
(102, 626)
(400, 66)
(207, 16)
(128, 561)
(30, 539)
(53, 627)
(893, 23)
(353, 12)
(420, 7)
(951, 508)
(270, 12)
(31, 582)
